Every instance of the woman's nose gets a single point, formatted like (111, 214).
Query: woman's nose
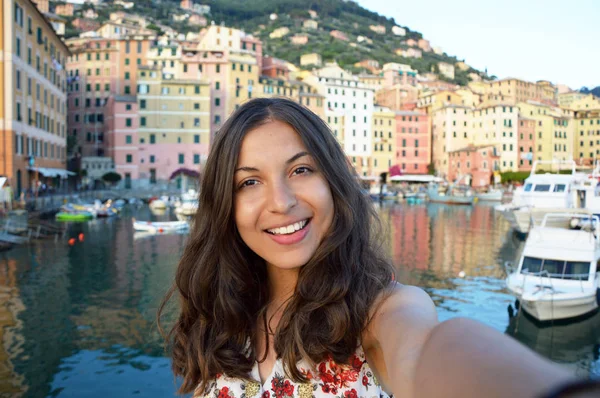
(281, 198)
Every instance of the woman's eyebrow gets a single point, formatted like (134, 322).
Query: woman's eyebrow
(290, 160)
(297, 156)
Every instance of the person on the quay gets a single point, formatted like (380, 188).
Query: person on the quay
(284, 289)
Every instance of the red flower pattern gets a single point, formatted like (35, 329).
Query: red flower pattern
(280, 387)
(351, 380)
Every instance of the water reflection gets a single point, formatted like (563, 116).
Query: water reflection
(79, 321)
(575, 343)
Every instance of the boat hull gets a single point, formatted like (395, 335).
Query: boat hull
(547, 309)
(159, 226)
(452, 200)
(495, 196)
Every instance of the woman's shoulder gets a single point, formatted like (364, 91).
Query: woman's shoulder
(393, 303)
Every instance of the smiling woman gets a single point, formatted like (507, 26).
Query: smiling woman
(284, 290)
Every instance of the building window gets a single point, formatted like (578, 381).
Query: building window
(129, 158)
(217, 101)
(128, 139)
(181, 158)
(218, 68)
(143, 121)
(196, 158)
(151, 158)
(128, 122)
(196, 138)
(143, 104)
(152, 138)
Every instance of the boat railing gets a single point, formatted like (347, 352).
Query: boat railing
(587, 221)
(571, 163)
(545, 274)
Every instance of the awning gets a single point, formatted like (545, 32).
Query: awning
(50, 172)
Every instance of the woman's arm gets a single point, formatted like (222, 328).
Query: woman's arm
(457, 358)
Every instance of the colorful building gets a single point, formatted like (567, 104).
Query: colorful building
(526, 143)
(413, 142)
(33, 110)
(587, 135)
(513, 90)
(554, 130)
(98, 68)
(450, 129)
(497, 125)
(165, 129)
(384, 140)
(477, 162)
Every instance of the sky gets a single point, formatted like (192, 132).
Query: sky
(555, 40)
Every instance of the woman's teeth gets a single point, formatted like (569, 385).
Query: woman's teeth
(288, 229)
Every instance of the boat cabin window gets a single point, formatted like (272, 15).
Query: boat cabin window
(542, 188)
(559, 188)
(576, 270)
(531, 265)
(527, 187)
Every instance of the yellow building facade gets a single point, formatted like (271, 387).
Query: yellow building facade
(587, 135)
(498, 125)
(384, 140)
(33, 101)
(554, 130)
(172, 111)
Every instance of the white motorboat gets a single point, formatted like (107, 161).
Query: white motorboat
(159, 226)
(587, 190)
(542, 193)
(188, 205)
(557, 276)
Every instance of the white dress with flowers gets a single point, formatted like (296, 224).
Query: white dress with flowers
(329, 380)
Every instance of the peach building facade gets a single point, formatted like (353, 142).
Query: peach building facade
(413, 142)
(99, 68)
(526, 143)
(477, 162)
(33, 99)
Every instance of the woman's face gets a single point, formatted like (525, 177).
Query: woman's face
(283, 205)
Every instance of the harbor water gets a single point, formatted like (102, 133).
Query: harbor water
(79, 321)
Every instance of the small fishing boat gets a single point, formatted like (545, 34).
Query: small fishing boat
(74, 216)
(160, 226)
(188, 205)
(557, 276)
(450, 195)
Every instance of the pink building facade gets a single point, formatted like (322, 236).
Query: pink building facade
(413, 142)
(526, 143)
(479, 162)
(122, 142)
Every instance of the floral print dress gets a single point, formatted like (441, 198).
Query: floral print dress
(329, 380)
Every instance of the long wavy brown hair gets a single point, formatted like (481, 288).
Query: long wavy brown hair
(222, 286)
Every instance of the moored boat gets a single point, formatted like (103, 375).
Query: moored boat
(73, 216)
(450, 195)
(557, 276)
(493, 195)
(159, 226)
(542, 193)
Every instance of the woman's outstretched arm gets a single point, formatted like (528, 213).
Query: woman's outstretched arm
(456, 358)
